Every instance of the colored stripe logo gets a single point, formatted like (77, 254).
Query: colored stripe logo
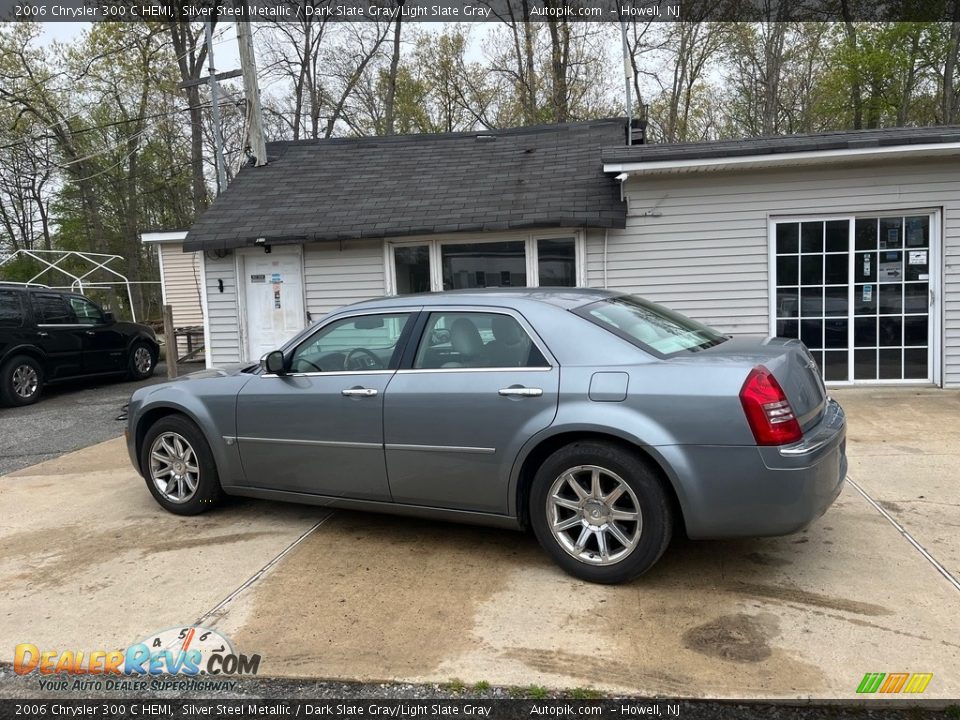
(890, 683)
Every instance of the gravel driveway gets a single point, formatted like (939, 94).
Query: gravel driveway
(67, 417)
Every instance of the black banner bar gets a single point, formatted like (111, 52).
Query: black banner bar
(461, 709)
(482, 10)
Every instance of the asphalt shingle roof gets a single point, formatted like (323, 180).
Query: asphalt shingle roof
(846, 140)
(352, 188)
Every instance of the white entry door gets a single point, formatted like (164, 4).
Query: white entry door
(273, 300)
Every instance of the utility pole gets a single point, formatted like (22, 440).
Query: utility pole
(251, 90)
(215, 102)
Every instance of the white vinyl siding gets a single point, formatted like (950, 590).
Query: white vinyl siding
(336, 276)
(182, 278)
(697, 242)
(222, 307)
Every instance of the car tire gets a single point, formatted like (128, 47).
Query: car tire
(178, 466)
(21, 381)
(627, 505)
(142, 361)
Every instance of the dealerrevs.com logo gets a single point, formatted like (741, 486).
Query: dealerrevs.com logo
(183, 651)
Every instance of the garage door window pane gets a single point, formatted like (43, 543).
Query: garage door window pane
(476, 265)
(557, 263)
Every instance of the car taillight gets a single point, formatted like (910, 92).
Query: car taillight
(767, 409)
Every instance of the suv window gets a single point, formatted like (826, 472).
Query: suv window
(87, 313)
(366, 342)
(52, 309)
(476, 340)
(11, 311)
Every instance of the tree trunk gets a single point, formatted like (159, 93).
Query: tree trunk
(949, 95)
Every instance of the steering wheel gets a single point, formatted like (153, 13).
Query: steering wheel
(370, 361)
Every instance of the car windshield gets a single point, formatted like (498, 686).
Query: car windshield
(651, 326)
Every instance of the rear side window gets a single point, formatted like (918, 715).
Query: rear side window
(11, 310)
(476, 340)
(651, 327)
(52, 309)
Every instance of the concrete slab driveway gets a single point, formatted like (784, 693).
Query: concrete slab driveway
(87, 560)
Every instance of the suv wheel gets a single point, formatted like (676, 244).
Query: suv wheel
(21, 380)
(600, 511)
(143, 360)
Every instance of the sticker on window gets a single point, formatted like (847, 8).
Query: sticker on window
(258, 278)
(917, 257)
(867, 293)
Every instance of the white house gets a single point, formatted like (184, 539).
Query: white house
(849, 240)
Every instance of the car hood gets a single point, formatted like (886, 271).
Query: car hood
(221, 371)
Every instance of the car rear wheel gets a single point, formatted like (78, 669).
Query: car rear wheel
(21, 380)
(178, 466)
(600, 511)
(142, 362)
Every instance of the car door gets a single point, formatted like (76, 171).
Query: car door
(104, 346)
(58, 335)
(480, 384)
(319, 428)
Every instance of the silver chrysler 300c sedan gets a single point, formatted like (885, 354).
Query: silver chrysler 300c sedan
(602, 421)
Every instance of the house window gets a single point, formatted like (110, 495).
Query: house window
(520, 261)
(479, 265)
(412, 263)
(557, 262)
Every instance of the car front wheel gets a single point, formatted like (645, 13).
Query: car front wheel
(600, 511)
(21, 380)
(178, 466)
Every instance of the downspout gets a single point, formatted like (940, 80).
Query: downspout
(606, 235)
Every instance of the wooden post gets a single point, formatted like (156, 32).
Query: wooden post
(170, 340)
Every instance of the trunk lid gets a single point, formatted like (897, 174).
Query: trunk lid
(790, 363)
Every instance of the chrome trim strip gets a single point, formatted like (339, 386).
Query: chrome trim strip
(442, 448)
(321, 443)
(332, 373)
(419, 371)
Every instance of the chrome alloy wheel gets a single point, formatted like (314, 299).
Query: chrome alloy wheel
(173, 467)
(142, 360)
(594, 515)
(25, 381)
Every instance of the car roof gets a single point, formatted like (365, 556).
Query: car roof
(566, 298)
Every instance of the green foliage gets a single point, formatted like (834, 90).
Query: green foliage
(584, 694)
(481, 686)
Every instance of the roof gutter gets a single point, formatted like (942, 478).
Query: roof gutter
(810, 157)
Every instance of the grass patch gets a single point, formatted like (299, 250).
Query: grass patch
(481, 686)
(455, 685)
(584, 694)
(537, 692)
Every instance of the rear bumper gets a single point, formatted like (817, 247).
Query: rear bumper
(731, 491)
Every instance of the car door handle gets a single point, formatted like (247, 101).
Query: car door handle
(89, 332)
(43, 333)
(521, 392)
(358, 392)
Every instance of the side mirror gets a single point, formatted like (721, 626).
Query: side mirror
(272, 363)
(108, 317)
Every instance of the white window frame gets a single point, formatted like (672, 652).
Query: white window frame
(935, 314)
(531, 253)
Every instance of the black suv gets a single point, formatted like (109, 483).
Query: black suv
(47, 336)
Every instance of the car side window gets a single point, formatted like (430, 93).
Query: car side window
(87, 313)
(11, 311)
(52, 309)
(476, 340)
(355, 344)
